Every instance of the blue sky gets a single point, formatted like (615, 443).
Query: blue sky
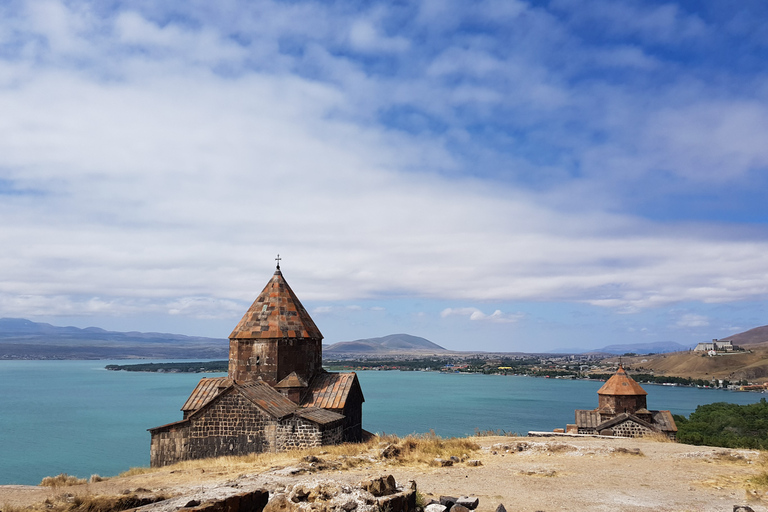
(491, 175)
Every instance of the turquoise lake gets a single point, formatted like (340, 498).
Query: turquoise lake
(76, 417)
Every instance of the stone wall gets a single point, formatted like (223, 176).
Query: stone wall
(622, 403)
(353, 418)
(630, 429)
(234, 426)
(274, 359)
(231, 426)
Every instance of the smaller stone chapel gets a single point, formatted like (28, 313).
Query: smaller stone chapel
(276, 396)
(622, 411)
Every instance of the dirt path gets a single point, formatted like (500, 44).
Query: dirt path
(547, 475)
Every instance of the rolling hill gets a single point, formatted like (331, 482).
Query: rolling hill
(391, 344)
(24, 339)
(751, 364)
(756, 336)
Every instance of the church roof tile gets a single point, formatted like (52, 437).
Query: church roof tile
(621, 384)
(276, 313)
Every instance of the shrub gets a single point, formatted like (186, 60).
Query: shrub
(727, 425)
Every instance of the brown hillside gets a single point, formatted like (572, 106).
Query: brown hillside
(756, 336)
(752, 365)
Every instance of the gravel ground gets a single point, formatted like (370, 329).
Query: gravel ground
(525, 474)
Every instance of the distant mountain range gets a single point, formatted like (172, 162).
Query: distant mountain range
(393, 343)
(24, 339)
(659, 347)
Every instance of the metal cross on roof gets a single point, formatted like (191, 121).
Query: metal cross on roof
(278, 261)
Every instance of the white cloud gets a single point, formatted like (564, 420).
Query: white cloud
(161, 160)
(477, 315)
(365, 36)
(693, 320)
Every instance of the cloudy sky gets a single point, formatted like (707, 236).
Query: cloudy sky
(491, 175)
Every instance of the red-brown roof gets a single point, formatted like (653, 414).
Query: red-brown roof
(621, 384)
(276, 313)
(292, 380)
(331, 390)
(319, 416)
(205, 391)
(267, 399)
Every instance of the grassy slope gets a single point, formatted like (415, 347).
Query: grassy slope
(752, 365)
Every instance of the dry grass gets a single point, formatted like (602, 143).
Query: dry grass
(86, 503)
(495, 433)
(760, 480)
(62, 480)
(657, 437)
(628, 451)
(424, 449)
(137, 471)
(561, 448)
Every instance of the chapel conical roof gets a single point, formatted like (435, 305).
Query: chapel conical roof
(621, 384)
(276, 313)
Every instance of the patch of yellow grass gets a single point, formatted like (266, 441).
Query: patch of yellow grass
(424, 449)
(760, 480)
(657, 437)
(62, 480)
(137, 471)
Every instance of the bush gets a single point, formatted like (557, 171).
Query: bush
(726, 425)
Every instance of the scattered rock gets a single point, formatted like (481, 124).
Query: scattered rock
(300, 493)
(443, 462)
(742, 508)
(474, 462)
(382, 486)
(501, 508)
(390, 452)
(455, 459)
(192, 503)
(468, 502)
(254, 501)
(280, 503)
(448, 501)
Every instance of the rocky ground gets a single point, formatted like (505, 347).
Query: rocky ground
(523, 474)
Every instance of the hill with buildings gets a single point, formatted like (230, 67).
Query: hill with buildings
(750, 364)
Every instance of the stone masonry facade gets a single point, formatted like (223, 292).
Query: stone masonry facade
(234, 426)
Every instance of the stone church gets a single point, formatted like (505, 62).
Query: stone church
(276, 396)
(622, 412)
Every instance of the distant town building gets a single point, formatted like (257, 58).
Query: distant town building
(276, 395)
(715, 345)
(622, 411)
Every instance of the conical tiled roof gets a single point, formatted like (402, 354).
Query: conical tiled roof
(621, 384)
(276, 313)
